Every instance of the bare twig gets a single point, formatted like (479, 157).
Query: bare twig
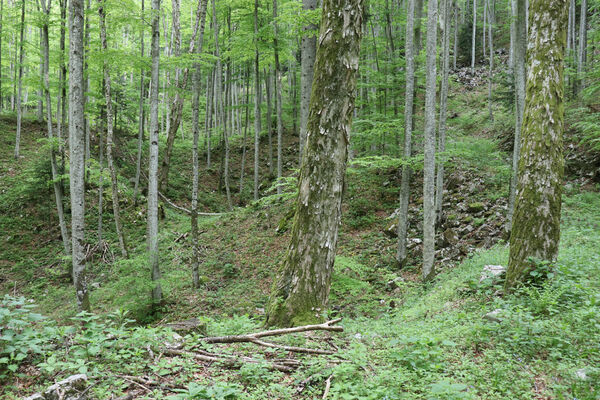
(327, 387)
(293, 349)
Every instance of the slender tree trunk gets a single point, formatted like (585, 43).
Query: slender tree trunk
(513, 34)
(536, 222)
(455, 52)
(1, 93)
(196, 132)
(474, 35)
(246, 120)
(408, 128)
(428, 271)
(439, 187)
(86, 82)
(519, 54)
(77, 151)
(141, 112)
(269, 93)
(101, 178)
(109, 132)
(301, 290)
(62, 98)
(210, 105)
(153, 159)
(581, 55)
(278, 100)
(58, 192)
(20, 83)
(308, 52)
(40, 106)
(257, 99)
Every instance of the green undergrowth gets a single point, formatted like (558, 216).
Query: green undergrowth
(423, 342)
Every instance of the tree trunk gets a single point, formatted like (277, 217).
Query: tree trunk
(109, 132)
(141, 128)
(20, 83)
(246, 120)
(269, 93)
(307, 60)
(257, 98)
(1, 93)
(491, 49)
(408, 128)
(278, 100)
(455, 52)
(439, 186)
(581, 54)
(153, 159)
(301, 290)
(428, 271)
(58, 192)
(536, 222)
(196, 132)
(77, 151)
(40, 106)
(474, 35)
(519, 55)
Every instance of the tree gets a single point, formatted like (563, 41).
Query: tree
(408, 126)
(257, 98)
(278, 99)
(77, 151)
(153, 160)
(307, 64)
(536, 222)
(474, 35)
(20, 83)
(141, 116)
(109, 131)
(428, 271)
(301, 289)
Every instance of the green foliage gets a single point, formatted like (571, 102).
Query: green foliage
(23, 334)
(219, 391)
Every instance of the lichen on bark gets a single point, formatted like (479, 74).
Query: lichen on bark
(536, 221)
(301, 289)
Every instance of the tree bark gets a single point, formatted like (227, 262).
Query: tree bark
(491, 61)
(269, 94)
(153, 159)
(536, 222)
(428, 271)
(301, 290)
(20, 83)
(77, 151)
(474, 35)
(1, 93)
(408, 127)
(257, 99)
(307, 57)
(109, 132)
(278, 100)
(141, 116)
(582, 50)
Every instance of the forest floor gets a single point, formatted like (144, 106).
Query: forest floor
(401, 339)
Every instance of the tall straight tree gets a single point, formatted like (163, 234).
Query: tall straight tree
(536, 222)
(519, 54)
(196, 76)
(278, 99)
(429, 160)
(20, 82)
(46, 6)
(307, 65)
(109, 130)
(582, 50)
(474, 35)
(408, 127)
(153, 160)
(141, 112)
(1, 15)
(77, 151)
(257, 98)
(301, 289)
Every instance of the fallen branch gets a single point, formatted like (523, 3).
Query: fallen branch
(327, 386)
(326, 326)
(293, 349)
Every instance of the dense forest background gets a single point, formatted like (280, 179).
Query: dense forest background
(152, 155)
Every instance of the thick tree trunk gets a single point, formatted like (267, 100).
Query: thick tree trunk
(408, 127)
(257, 98)
(153, 159)
(519, 75)
(20, 83)
(109, 132)
(308, 52)
(58, 190)
(536, 222)
(428, 271)
(301, 290)
(77, 151)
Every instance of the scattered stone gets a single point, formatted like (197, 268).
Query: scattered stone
(95, 285)
(393, 284)
(72, 388)
(476, 207)
(492, 271)
(450, 237)
(189, 325)
(391, 231)
(493, 316)
(581, 374)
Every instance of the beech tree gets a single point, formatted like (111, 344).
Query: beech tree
(536, 222)
(301, 289)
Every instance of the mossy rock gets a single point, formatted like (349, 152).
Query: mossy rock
(476, 207)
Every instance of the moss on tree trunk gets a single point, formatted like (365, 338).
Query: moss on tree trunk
(536, 221)
(301, 289)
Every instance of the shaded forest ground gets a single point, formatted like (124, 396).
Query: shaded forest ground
(401, 340)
